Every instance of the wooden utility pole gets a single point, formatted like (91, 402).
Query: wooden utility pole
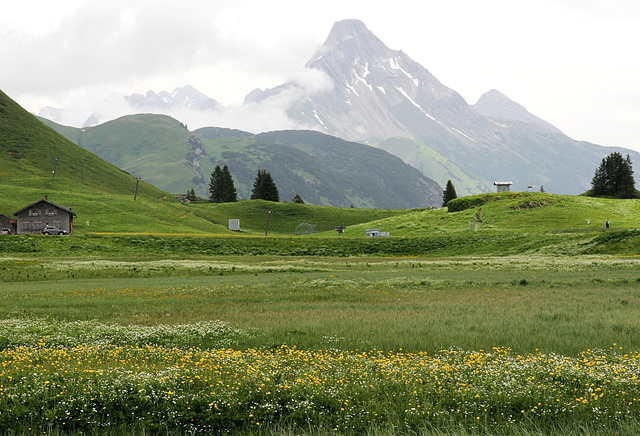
(135, 195)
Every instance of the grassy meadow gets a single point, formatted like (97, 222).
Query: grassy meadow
(176, 325)
(243, 344)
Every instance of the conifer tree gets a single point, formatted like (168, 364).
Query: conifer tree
(298, 199)
(614, 178)
(264, 187)
(191, 195)
(214, 185)
(221, 188)
(228, 192)
(449, 193)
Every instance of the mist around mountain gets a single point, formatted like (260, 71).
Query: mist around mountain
(185, 97)
(358, 89)
(380, 93)
(183, 103)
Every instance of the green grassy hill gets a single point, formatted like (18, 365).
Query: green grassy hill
(322, 169)
(103, 195)
(97, 191)
(30, 152)
(434, 165)
(148, 146)
(523, 213)
(517, 212)
(285, 217)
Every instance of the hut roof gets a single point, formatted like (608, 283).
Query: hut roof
(44, 200)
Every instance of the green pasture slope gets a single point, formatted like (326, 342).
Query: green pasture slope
(97, 191)
(515, 223)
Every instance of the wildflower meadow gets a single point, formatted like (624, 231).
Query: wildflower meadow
(380, 346)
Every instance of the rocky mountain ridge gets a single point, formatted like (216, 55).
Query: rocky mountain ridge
(185, 97)
(380, 93)
(377, 94)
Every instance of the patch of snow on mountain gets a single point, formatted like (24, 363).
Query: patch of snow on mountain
(351, 88)
(417, 105)
(315, 114)
(366, 70)
(363, 80)
(466, 136)
(402, 91)
(396, 66)
(381, 88)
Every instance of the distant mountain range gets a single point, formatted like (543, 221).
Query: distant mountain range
(322, 169)
(380, 93)
(383, 98)
(185, 97)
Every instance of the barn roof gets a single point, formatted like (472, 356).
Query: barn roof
(43, 200)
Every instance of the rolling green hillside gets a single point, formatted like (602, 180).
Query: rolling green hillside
(103, 195)
(529, 216)
(433, 164)
(97, 191)
(527, 213)
(30, 152)
(285, 217)
(147, 146)
(322, 169)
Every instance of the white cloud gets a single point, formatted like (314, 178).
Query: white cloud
(567, 61)
(269, 114)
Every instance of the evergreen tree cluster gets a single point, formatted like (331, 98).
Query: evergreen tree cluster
(191, 195)
(221, 188)
(449, 193)
(614, 178)
(264, 187)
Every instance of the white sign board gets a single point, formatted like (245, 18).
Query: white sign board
(234, 225)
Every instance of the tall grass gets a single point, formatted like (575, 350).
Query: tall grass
(561, 305)
(284, 345)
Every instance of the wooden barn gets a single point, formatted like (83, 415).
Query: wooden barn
(33, 218)
(4, 221)
(7, 223)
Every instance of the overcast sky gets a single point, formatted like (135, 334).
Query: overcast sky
(573, 63)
